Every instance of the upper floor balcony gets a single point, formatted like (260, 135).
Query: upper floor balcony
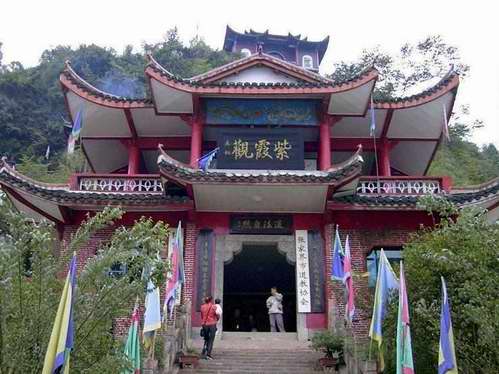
(125, 183)
(367, 185)
(402, 185)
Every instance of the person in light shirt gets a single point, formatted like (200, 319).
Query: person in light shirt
(218, 312)
(274, 305)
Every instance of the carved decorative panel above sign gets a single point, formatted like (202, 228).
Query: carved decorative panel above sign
(296, 112)
(273, 149)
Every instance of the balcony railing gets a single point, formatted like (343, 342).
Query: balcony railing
(400, 186)
(118, 183)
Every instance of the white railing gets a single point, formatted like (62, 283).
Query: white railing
(399, 186)
(120, 184)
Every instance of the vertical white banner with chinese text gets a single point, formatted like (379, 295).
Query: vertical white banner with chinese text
(302, 272)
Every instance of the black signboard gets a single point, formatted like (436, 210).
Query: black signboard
(204, 252)
(274, 224)
(316, 263)
(272, 149)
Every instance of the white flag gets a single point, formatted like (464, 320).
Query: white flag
(446, 123)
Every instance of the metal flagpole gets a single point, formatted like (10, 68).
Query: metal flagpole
(373, 134)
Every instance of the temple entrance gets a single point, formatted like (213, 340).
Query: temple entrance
(248, 278)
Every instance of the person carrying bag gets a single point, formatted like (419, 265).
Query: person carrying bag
(209, 321)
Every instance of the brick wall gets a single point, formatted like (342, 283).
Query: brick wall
(89, 249)
(361, 243)
(191, 233)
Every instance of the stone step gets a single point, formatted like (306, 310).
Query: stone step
(231, 361)
(277, 336)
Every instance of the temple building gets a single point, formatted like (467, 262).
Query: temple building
(294, 159)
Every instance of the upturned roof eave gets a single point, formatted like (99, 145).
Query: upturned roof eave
(185, 175)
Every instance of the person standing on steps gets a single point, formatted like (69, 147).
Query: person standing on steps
(218, 312)
(209, 325)
(274, 305)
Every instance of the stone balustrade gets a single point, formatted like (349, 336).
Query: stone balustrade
(399, 186)
(120, 183)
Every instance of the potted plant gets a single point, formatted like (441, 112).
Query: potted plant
(332, 347)
(189, 358)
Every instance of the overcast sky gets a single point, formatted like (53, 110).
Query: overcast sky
(29, 27)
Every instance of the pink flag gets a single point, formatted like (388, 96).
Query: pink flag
(171, 283)
(348, 281)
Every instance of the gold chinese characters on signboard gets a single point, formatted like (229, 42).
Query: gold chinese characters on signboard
(261, 149)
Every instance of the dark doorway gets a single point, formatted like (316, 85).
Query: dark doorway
(247, 282)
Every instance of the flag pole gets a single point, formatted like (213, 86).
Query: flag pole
(374, 141)
(153, 345)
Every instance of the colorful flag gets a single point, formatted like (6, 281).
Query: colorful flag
(446, 352)
(132, 346)
(446, 123)
(385, 282)
(372, 125)
(176, 276)
(405, 364)
(152, 314)
(337, 267)
(347, 270)
(178, 244)
(62, 337)
(205, 161)
(77, 125)
(75, 131)
(71, 144)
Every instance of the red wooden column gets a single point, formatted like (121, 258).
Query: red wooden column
(324, 144)
(133, 158)
(196, 141)
(384, 158)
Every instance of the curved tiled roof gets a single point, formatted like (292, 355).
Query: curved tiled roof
(448, 82)
(75, 83)
(155, 70)
(184, 174)
(231, 33)
(61, 193)
(260, 58)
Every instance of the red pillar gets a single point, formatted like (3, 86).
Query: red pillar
(384, 159)
(196, 142)
(133, 158)
(324, 145)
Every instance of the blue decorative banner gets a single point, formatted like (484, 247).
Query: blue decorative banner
(295, 112)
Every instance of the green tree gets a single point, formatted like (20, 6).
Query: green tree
(414, 68)
(465, 251)
(32, 276)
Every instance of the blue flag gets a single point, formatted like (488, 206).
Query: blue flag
(75, 132)
(205, 161)
(337, 272)
(385, 283)
(152, 314)
(446, 352)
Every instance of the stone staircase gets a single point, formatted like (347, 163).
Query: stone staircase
(258, 353)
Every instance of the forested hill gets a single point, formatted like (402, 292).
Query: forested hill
(33, 115)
